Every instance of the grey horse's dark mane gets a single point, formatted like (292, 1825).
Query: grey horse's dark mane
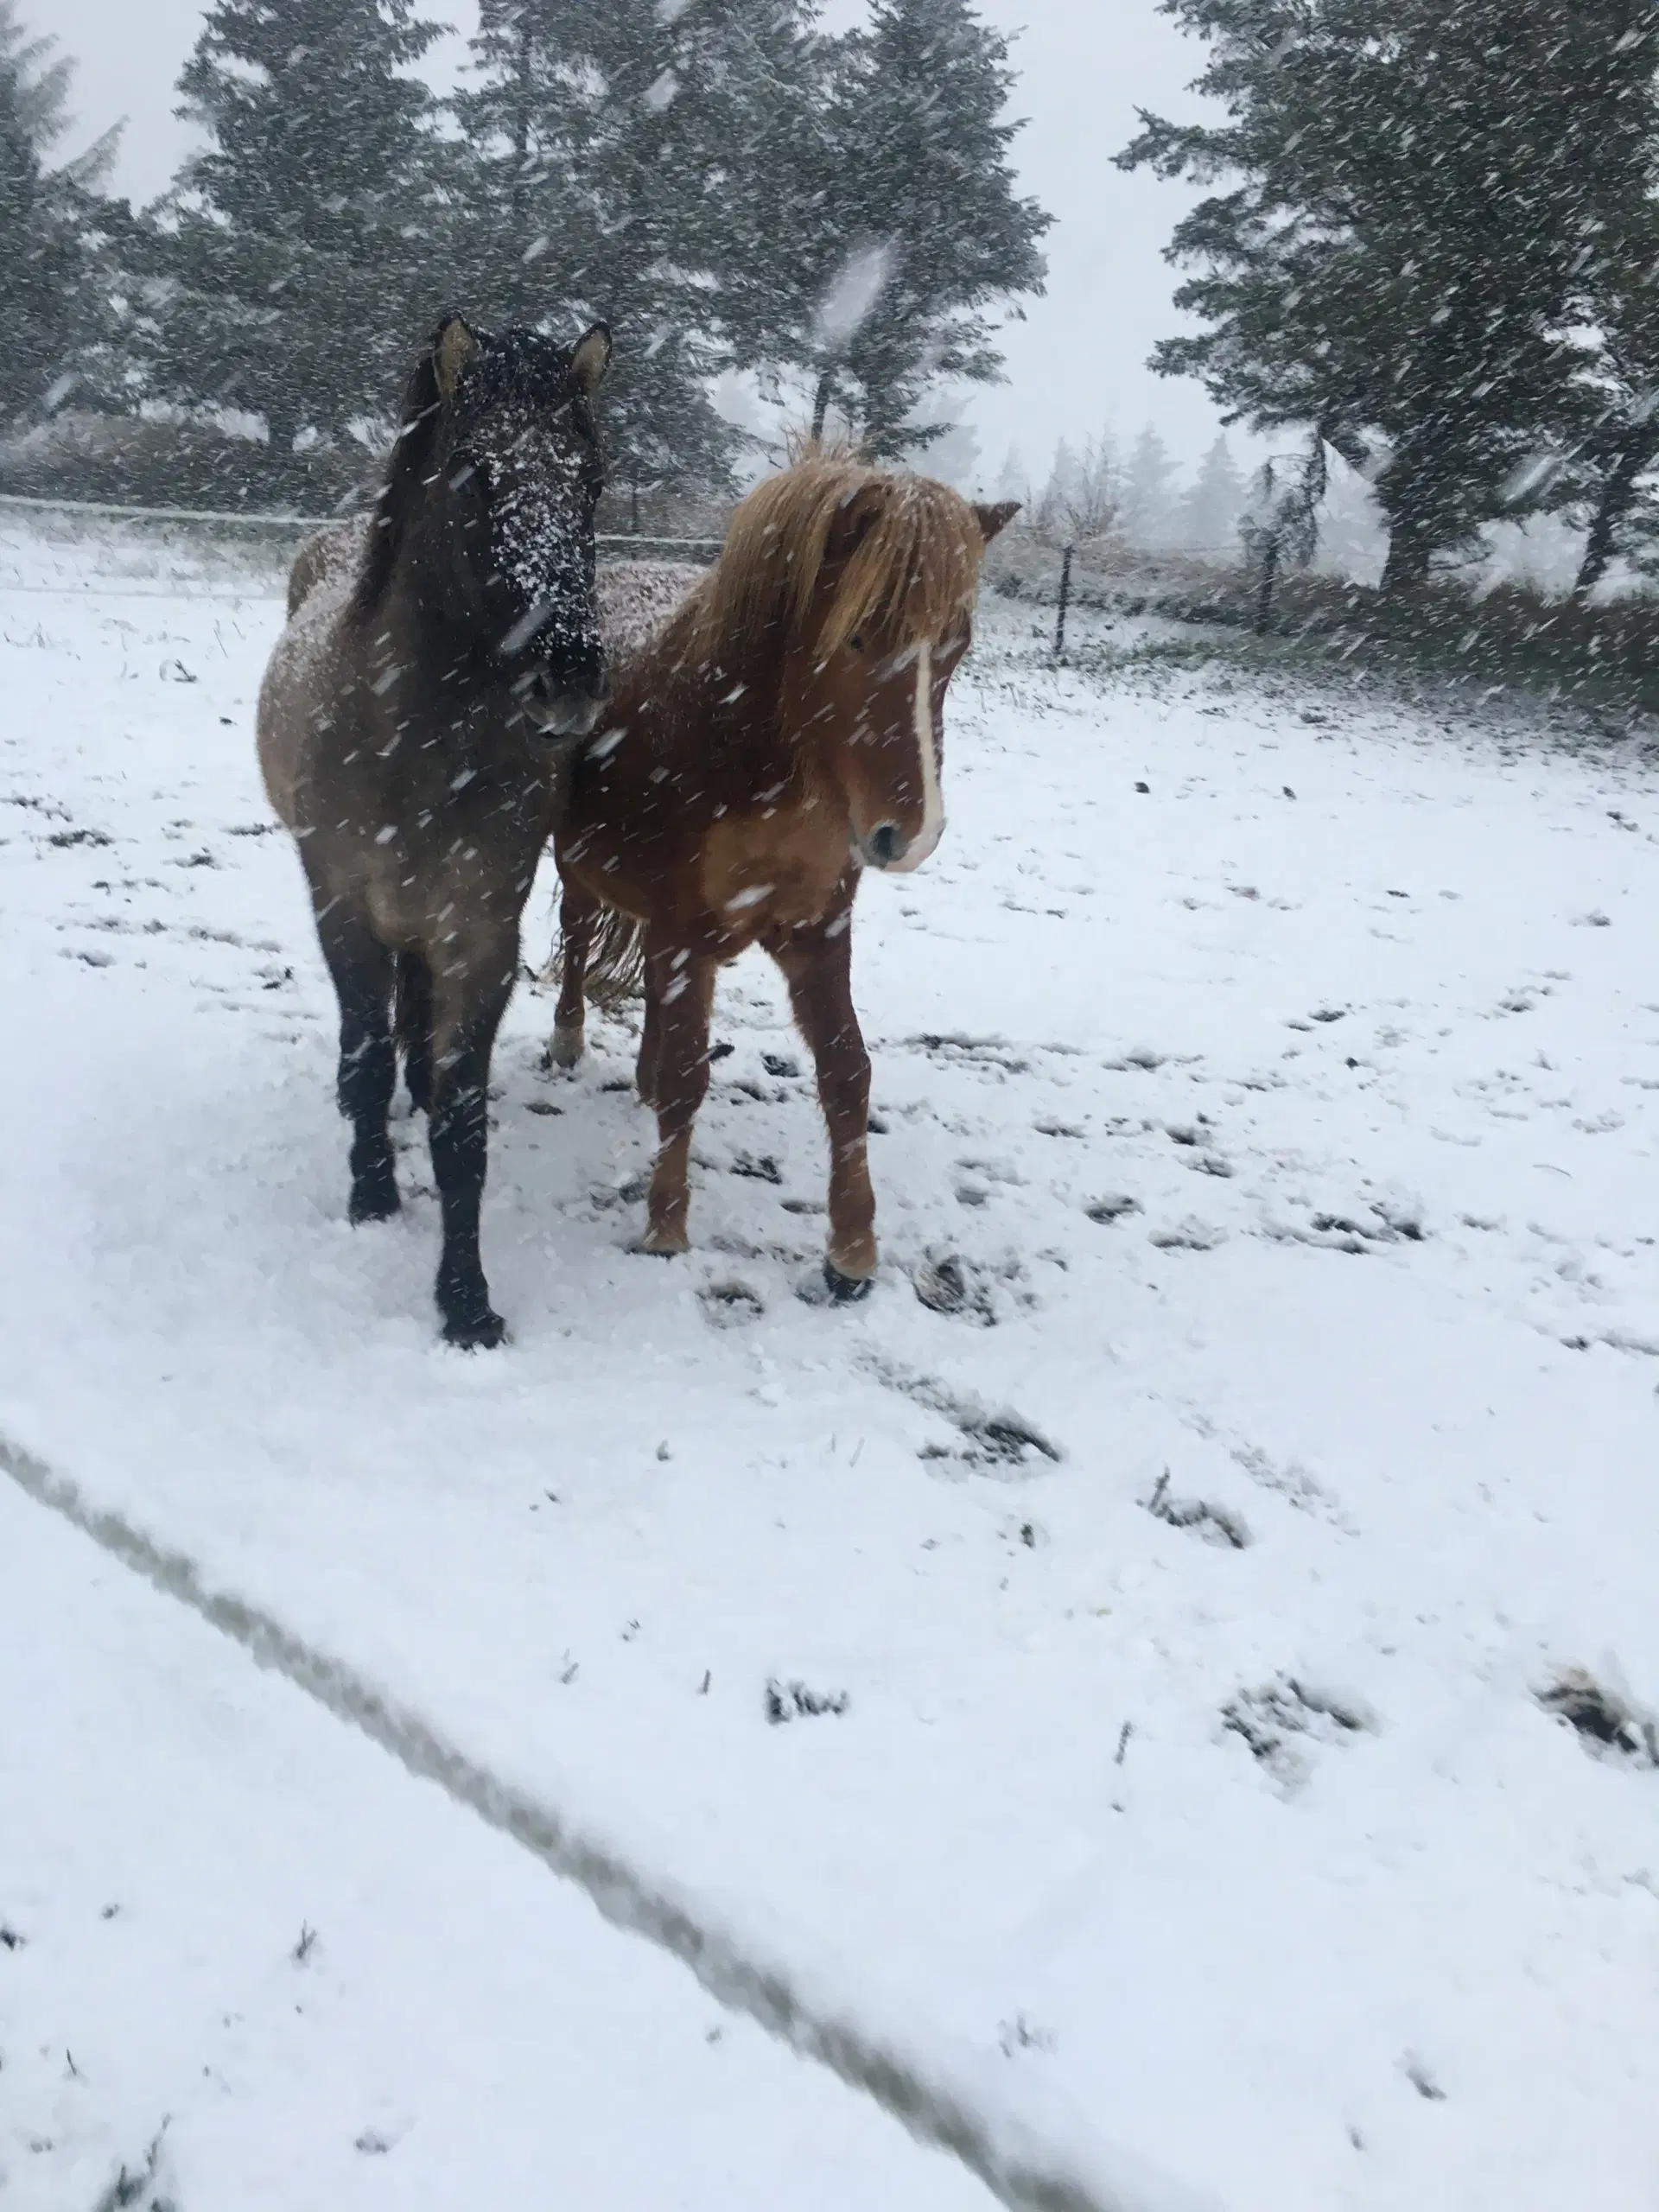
(408, 467)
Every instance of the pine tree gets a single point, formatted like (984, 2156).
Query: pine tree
(1610, 472)
(1147, 503)
(53, 288)
(920, 197)
(1399, 250)
(294, 254)
(1208, 516)
(642, 163)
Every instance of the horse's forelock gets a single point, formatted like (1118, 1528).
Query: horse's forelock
(910, 572)
(535, 367)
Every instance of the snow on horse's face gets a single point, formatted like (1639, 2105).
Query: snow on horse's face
(515, 476)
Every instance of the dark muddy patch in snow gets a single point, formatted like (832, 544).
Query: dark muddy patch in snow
(604, 1197)
(762, 1168)
(993, 1437)
(1607, 1724)
(991, 1054)
(1279, 1718)
(1215, 1524)
(139, 2191)
(1366, 1229)
(787, 1701)
(1188, 1236)
(945, 1285)
(731, 1304)
(1113, 1208)
(1417, 2073)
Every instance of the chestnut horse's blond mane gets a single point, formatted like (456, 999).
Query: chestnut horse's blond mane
(911, 574)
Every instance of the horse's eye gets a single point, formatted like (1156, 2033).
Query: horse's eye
(856, 642)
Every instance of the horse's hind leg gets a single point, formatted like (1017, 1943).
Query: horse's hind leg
(473, 977)
(645, 1066)
(578, 913)
(819, 969)
(362, 970)
(414, 1027)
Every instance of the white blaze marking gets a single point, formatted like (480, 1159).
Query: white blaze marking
(933, 827)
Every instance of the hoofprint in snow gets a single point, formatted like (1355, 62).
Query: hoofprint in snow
(1132, 1646)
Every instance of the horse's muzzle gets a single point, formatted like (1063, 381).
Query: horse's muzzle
(561, 708)
(569, 714)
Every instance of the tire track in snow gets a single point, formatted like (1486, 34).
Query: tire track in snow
(1001, 2148)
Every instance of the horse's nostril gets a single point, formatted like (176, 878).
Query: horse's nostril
(885, 844)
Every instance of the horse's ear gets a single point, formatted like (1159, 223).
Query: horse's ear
(994, 520)
(590, 357)
(854, 519)
(453, 346)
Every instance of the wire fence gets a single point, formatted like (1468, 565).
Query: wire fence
(278, 529)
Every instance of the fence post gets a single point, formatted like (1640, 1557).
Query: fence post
(1270, 577)
(1066, 600)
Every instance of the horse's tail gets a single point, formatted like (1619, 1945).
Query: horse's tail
(614, 968)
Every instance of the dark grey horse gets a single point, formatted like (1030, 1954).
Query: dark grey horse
(414, 734)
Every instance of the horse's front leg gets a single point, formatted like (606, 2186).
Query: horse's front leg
(472, 974)
(817, 967)
(362, 970)
(578, 913)
(679, 994)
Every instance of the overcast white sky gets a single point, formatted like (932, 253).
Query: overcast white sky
(1078, 362)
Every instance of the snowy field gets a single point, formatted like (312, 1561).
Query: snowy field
(1118, 1669)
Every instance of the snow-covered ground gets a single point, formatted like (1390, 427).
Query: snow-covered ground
(249, 1965)
(1253, 1427)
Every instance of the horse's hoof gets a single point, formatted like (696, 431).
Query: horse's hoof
(376, 1201)
(846, 1290)
(475, 1331)
(664, 1244)
(564, 1048)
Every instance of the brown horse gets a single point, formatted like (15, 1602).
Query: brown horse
(783, 732)
(407, 735)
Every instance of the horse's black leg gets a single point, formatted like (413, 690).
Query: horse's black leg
(362, 970)
(472, 982)
(414, 1025)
